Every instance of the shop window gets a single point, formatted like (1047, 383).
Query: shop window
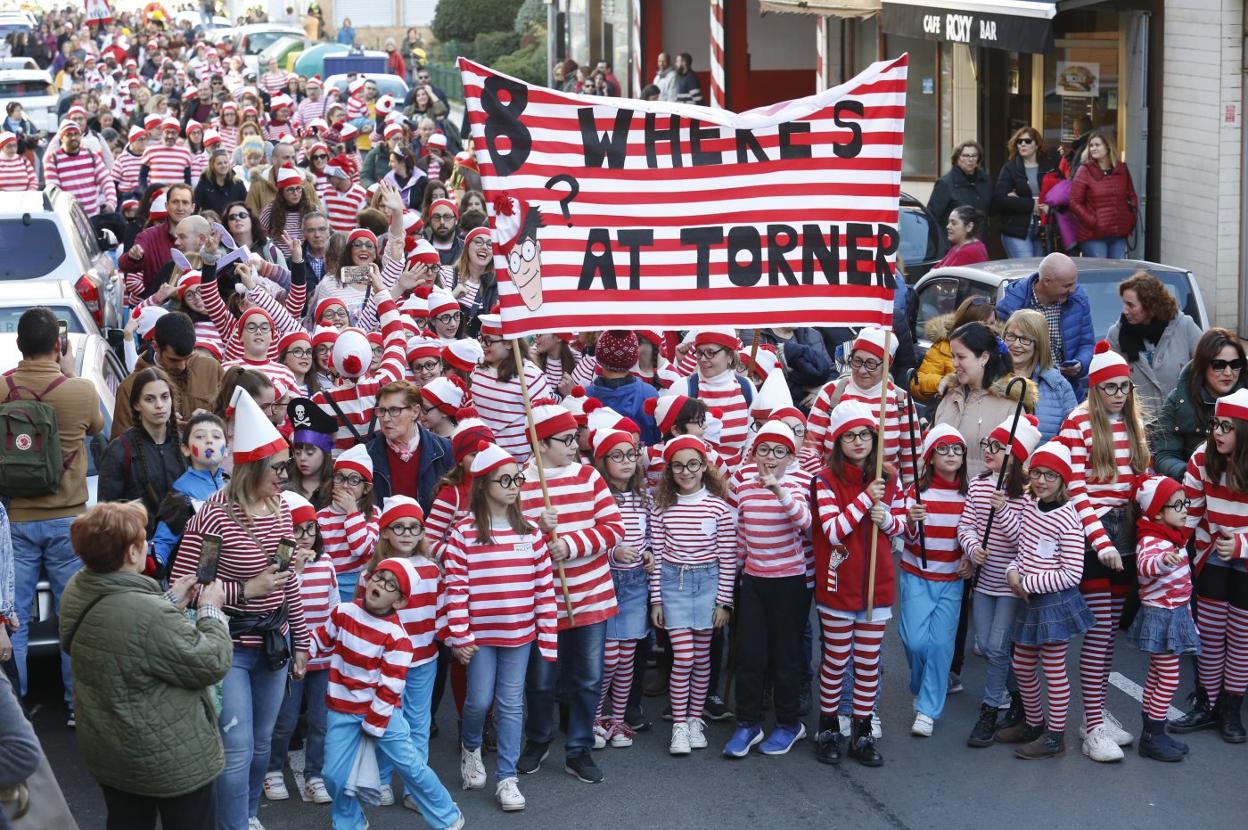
(1081, 87)
(921, 150)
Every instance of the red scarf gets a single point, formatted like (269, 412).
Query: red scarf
(1149, 527)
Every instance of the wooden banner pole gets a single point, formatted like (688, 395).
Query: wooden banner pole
(879, 472)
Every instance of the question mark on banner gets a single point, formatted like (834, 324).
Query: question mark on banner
(574, 188)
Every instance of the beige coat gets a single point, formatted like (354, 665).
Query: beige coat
(977, 412)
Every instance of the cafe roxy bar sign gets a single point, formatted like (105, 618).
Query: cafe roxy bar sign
(1014, 25)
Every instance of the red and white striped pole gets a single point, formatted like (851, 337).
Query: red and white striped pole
(638, 68)
(717, 54)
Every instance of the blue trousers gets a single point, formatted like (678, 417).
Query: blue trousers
(928, 625)
(417, 693)
(342, 741)
(1111, 247)
(313, 688)
(1021, 248)
(994, 620)
(44, 544)
(578, 674)
(496, 676)
(250, 699)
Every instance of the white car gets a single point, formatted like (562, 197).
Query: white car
(252, 39)
(59, 295)
(18, 63)
(386, 84)
(33, 88)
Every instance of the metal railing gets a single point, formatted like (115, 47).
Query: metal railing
(447, 79)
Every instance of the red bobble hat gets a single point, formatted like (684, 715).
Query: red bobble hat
(1052, 456)
(325, 304)
(605, 440)
(394, 508)
(288, 176)
(254, 311)
(355, 460)
(1106, 365)
(1155, 492)
(474, 233)
(576, 403)
(444, 394)
(469, 433)
(776, 432)
(361, 233)
(940, 435)
(463, 355)
(685, 442)
(404, 573)
(324, 336)
(617, 350)
(1026, 436)
(1234, 405)
(722, 337)
(849, 415)
(665, 409)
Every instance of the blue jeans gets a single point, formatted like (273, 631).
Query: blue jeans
(250, 700)
(496, 676)
(347, 584)
(41, 545)
(312, 687)
(928, 625)
(417, 696)
(1111, 247)
(580, 664)
(1016, 248)
(342, 741)
(994, 619)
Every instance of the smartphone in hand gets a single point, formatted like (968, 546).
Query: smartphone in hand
(62, 330)
(209, 555)
(355, 274)
(282, 556)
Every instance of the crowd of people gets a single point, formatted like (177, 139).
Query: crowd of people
(325, 496)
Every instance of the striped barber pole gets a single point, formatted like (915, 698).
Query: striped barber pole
(821, 53)
(638, 68)
(717, 54)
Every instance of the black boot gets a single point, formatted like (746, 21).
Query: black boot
(862, 745)
(828, 740)
(1014, 715)
(1200, 716)
(1156, 744)
(985, 727)
(1231, 727)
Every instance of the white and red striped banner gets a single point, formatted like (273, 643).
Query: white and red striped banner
(784, 215)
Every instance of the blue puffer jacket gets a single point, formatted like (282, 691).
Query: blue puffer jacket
(1078, 338)
(1053, 403)
(628, 397)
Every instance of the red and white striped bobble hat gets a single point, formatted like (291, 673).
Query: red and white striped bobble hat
(1052, 456)
(1106, 364)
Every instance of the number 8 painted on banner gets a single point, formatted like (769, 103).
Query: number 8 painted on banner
(502, 120)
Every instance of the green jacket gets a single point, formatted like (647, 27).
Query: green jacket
(1182, 425)
(142, 673)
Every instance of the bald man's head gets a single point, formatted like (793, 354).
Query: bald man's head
(1058, 278)
(191, 233)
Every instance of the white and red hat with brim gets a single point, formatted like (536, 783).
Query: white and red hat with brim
(939, 436)
(1106, 364)
(158, 209)
(776, 432)
(188, 280)
(348, 132)
(315, 81)
(391, 130)
(412, 223)
(1154, 492)
(68, 127)
(441, 301)
(151, 122)
(362, 233)
(404, 572)
(685, 442)
(1234, 405)
(415, 306)
(764, 363)
(871, 340)
(326, 304)
(772, 396)
(665, 409)
(1053, 456)
(212, 138)
(288, 176)
(444, 394)
(491, 324)
(278, 102)
(356, 86)
(291, 338)
(352, 353)
(255, 437)
(490, 457)
(598, 416)
(254, 311)
(423, 253)
(725, 338)
(549, 418)
(171, 124)
(193, 125)
(147, 316)
(324, 336)
(7, 137)
(419, 348)
(605, 440)
(437, 140)
(1026, 436)
(385, 104)
(463, 354)
(394, 508)
(355, 460)
(136, 132)
(849, 415)
(301, 510)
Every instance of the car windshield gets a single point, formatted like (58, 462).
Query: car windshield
(1102, 291)
(9, 316)
(29, 250)
(30, 88)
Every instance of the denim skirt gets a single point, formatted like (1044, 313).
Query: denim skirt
(1164, 631)
(632, 596)
(688, 593)
(1052, 618)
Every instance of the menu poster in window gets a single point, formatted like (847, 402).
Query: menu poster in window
(1076, 79)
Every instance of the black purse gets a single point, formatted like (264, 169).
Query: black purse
(269, 627)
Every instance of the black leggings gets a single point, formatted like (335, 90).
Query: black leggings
(197, 810)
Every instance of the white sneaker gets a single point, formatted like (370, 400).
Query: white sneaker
(1099, 745)
(253, 823)
(1121, 736)
(471, 769)
(508, 795)
(877, 728)
(621, 736)
(600, 736)
(680, 739)
(275, 786)
(314, 790)
(458, 824)
(697, 733)
(387, 795)
(922, 726)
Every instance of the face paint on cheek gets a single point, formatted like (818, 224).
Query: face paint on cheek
(195, 451)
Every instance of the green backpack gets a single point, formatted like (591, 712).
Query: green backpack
(31, 462)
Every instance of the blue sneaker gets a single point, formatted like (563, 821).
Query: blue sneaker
(745, 736)
(782, 738)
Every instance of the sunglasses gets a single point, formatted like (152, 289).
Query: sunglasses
(1026, 141)
(1219, 365)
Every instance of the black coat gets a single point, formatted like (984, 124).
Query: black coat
(134, 467)
(1016, 211)
(211, 196)
(955, 188)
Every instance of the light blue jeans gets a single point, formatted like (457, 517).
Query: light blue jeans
(496, 675)
(251, 698)
(1016, 248)
(342, 742)
(1111, 247)
(928, 628)
(41, 545)
(313, 687)
(417, 695)
(994, 620)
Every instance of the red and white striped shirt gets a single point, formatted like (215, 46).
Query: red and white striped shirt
(635, 511)
(167, 165)
(449, 506)
(1002, 541)
(368, 661)
(199, 163)
(293, 227)
(501, 405)
(357, 107)
(1216, 511)
(898, 449)
(273, 82)
(724, 392)
(501, 593)
(348, 539)
(697, 530)
(1091, 496)
(126, 170)
(309, 110)
(85, 177)
(420, 616)
(318, 587)
(279, 373)
(275, 130)
(772, 531)
(591, 524)
(229, 137)
(1162, 585)
(940, 532)
(1050, 549)
(16, 173)
(343, 206)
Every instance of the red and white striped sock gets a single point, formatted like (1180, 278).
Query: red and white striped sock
(1026, 661)
(701, 672)
(1097, 655)
(682, 669)
(1160, 685)
(610, 664)
(1211, 663)
(1236, 680)
(868, 637)
(836, 636)
(1054, 657)
(622, 685)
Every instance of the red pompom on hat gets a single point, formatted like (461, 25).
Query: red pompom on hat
(577, 404)
(665, 409)
(1026, 436)
(352, 353)
(1106, 365)
(394, 508)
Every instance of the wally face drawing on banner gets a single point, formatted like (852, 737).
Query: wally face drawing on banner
(617, 213)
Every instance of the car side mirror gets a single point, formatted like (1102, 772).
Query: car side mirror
(106, 239)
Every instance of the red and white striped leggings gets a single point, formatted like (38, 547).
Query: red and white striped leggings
(1223, 660)
(691, 658)
(1026, 660)
(1160, 685)
(1096, 657)
(840, 636)
(617, 677)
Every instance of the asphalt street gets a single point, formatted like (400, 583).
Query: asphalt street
(935, 782)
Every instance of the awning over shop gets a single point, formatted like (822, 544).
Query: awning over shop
(1015, 25)
(833, 8)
